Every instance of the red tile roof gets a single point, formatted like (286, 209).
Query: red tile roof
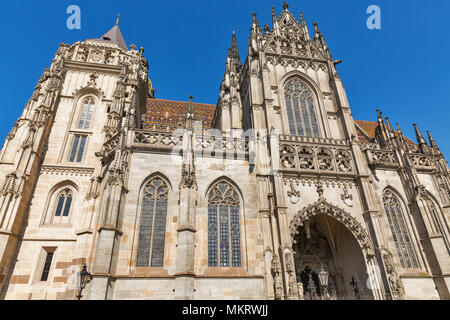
(368, 128)
(173, 113)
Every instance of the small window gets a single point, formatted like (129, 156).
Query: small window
(79, 144)
(64, 203)
(47, 265)
(87, 111)
(60, 206)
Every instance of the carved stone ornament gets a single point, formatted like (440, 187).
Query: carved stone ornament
(294, 195)
(276, 274)
(393, 279)
(347, 197)
(323, 207)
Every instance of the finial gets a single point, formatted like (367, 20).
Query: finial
(302, 19)
(285, 5)
(420, 139)
(316, 26)
(379, 113)
(389, 124)
(432, 142)
(118, 17)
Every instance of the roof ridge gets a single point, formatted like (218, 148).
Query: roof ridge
(185, 102)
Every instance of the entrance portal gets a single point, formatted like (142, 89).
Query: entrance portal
(324, 242)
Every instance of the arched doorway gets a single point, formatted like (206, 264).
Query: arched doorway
(326, 238)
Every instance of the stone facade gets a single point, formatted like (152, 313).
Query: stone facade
(249, 200)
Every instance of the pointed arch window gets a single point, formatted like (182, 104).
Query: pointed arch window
(301, 110)
(60, 206)
(224, 236)
(437, 222)
(399, 229)
(87, 110)
(152, 232)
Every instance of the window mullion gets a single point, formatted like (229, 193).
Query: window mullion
(153, 227)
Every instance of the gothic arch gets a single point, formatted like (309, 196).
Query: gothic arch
(151, 223)
(80, 93)
(214, 212)
(402, 229)
(152, 176)
(51, 196)
(317, 95)
(323, 207)
(230, 181)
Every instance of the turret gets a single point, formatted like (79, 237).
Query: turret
(229, 107)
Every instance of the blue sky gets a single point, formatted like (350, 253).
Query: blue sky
(402, 69)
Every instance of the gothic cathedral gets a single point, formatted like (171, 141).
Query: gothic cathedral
(276, 192)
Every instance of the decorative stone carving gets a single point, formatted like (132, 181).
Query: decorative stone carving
(347, 197)
(393, 279)
(293, 286)
(315, 158)
(13, 132)
(276, 274)
(323, 207)
(13, 185)
(294, 195)
(67, 171)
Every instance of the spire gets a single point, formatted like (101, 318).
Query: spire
(304, 26)
(420, 139)
(118, 17)
(275, 21)
(400, 134)
(114, 35)
(319, 38)
(302, 19)
(233, 52)
(432, 142)
(274, 16)
(389, 127)
(256, 23)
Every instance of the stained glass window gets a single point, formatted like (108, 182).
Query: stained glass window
(224, 235)
(86, 113)
(400, 233)
(152, 232)
(300, 109)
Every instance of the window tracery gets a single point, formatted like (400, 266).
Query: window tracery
(300, 109)
(399, 229)
(224, 236)
(153, 224)
(87, 111)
